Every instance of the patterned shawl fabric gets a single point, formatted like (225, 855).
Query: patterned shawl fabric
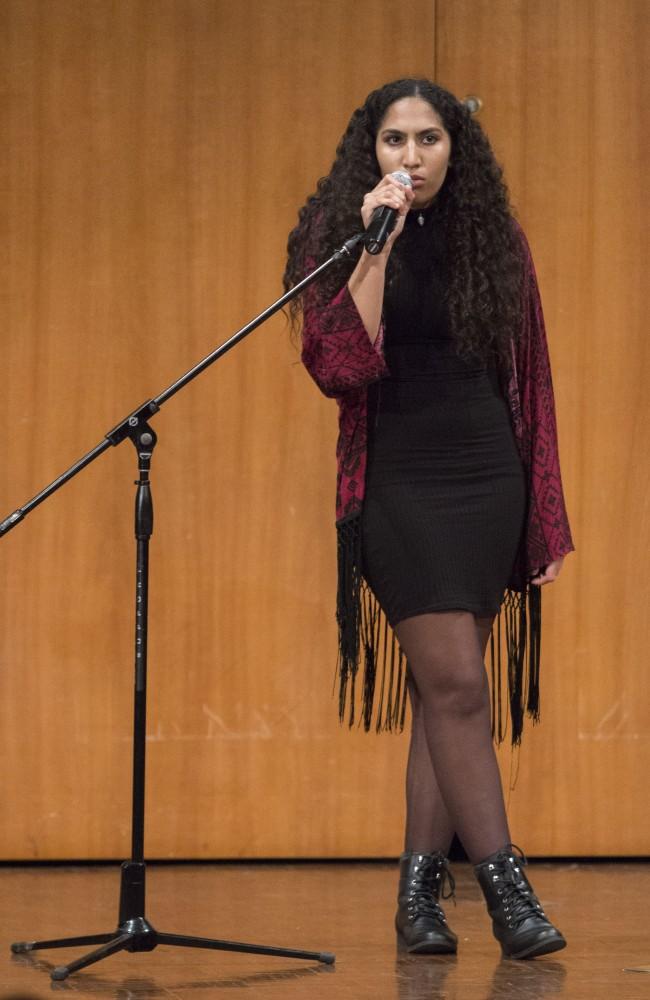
(343, 361)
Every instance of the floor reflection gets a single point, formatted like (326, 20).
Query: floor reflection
(134, 988)
(20, 996)
(527, 980)
(425, 977)
(419, 976)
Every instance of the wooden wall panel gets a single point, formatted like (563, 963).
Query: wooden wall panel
(155, 154)
(566, 102)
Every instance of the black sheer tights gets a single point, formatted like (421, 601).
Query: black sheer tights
(452, 778)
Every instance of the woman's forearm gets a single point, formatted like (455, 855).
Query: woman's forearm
(366, 286)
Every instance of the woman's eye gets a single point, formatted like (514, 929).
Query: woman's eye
(431, 138)
(393, 140)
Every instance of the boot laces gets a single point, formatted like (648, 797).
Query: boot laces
(425, 892)
(519, 900)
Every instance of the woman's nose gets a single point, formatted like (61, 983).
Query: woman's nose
(411, 154)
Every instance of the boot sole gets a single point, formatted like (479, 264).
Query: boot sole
(540, 948)
(431, 949)
(427, 947)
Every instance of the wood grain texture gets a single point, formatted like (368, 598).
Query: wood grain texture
(566, 106)
(354, 919)
(155, 157)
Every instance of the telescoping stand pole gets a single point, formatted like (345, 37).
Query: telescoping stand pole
(134, 932)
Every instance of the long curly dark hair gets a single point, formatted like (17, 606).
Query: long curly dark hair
(482, 245)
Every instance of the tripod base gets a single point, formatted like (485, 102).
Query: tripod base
(135, 933)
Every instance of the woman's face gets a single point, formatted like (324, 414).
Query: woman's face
(412, 138)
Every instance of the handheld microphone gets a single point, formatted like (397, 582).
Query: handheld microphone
(383, 219)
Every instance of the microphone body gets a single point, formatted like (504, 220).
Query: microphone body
(383, 219)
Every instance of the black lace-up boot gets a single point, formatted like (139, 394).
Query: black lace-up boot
(420, 919)
(518, 920)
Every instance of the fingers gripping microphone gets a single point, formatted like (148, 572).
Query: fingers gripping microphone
(383, 219)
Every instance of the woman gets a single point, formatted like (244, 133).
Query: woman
(449, 500)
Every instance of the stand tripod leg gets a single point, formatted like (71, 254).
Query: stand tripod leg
(118, 943)
(187, 941)
(20, 947)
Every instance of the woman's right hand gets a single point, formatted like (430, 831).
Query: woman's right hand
(389, 192)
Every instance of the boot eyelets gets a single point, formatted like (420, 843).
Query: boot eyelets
(420, 921)
(519, 921)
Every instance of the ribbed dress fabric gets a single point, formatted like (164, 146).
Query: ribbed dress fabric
(445, 493)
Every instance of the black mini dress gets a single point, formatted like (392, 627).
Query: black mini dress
(445, 496)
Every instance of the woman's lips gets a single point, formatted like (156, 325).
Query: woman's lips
(417, 181)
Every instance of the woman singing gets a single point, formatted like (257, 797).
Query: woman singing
(450, 513)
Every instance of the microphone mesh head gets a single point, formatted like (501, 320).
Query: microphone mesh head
(473, 104)
(403, 178)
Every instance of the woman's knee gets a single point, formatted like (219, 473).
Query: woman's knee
(458, 688)
(446, 669)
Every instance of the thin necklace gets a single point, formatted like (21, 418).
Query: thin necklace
(420, 218)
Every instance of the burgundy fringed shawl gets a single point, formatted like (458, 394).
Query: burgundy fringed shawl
(343, 361)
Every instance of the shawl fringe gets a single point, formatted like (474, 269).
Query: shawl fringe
(368, 644)
(365, 640)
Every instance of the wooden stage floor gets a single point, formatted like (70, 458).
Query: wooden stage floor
(602, 909)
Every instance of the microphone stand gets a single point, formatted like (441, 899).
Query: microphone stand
(134, 932)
